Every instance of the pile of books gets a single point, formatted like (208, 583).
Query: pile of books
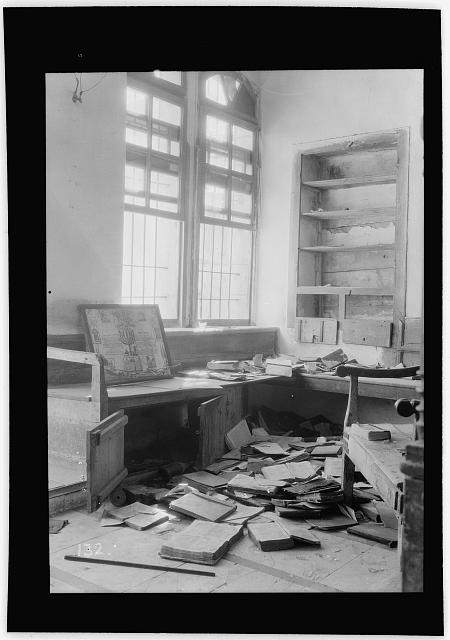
(201, 542)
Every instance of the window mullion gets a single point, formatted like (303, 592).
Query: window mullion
(191, 188)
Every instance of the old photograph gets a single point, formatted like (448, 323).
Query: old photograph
(226, 414)
(234, 363)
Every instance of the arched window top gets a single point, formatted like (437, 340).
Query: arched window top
(229, 90)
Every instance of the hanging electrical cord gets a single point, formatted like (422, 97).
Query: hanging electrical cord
(76, 96)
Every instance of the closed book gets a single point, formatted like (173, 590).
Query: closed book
(370, 432)
(202, 508)
(289, 471)
(297, 514)
(204, 480)
(223, 365)
(269, 536)
(238, 436)
(201, 542)
(299, 533)
(376, 532)
(143, 521)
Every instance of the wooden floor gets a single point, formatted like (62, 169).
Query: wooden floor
(342, 563)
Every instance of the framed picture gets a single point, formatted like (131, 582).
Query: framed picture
(131, 339)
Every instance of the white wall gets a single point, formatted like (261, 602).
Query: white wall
(85, 176)
(307, 106)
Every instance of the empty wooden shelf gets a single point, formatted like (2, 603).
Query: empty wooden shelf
(351, 256)
(366, 247)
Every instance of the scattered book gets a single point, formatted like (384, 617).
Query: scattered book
(144, 521)
(243, 514)
(223, 365)
(289, 471)
(370, 432)
(299, 533)
(202, 507)
(203, 480)
(234, 454)
(333, 467)
(269, 448)
(376, 532)
(326, 450)
(297, 513)
(279, 367)
(257, 486)
(201, 542)
(220, 465)
(269, 536)
(123, 513)
(330, 522)
(238, 436)
(387, 514)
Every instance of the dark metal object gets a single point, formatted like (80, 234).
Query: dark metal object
(406, 408)
(136, 565)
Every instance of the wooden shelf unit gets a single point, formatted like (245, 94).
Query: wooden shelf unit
(352, 203)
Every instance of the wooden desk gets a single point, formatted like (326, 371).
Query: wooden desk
(387, 388)
(72, 408)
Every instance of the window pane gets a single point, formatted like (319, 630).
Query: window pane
(134, 178)
(166, 111)
(162, 205)
(216, 129)
(241, 200)
(137, 201)
(224, 273)
(215, 201)
(164, 184)
(137, 282)
(154, 277)
(222, 88)
(215, 90)
(242, 161)
(169, 76)
(126, 282)
(217, 156)
(138, 240)
(165, 138)
(127, 238)
(242, 137)
(136, 102)
(137, 137)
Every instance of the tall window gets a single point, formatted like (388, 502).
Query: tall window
(226, 200)
(153, 197)
(168, 201)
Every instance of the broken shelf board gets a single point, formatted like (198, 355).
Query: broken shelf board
(357, 181)
(337, 214)
(366, 247)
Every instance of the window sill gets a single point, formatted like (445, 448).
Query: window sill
(189, 331)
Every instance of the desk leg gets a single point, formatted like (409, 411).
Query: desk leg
(348, 475)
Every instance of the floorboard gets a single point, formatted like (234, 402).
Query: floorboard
(339, 564)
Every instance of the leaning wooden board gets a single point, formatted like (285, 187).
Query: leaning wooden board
(105, 458)
(379, 462)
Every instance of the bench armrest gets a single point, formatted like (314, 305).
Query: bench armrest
(99, 394)
(69, 355)
(353, 370)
